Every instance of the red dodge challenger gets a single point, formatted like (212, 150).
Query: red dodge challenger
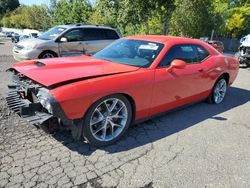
(98, 97)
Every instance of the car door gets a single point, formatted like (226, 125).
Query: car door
(95, 39)
(177, 87)
(72, 46)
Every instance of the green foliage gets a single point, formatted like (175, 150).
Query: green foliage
(105, 12)
(136, 12)
(192, 18)
(238, 22)
(163, 13)
(231, 18)
(71, 11)
(8, 5)
(134, 16)
(33, 17)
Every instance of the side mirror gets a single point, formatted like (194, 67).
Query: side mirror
(178, 64)
(63, 39)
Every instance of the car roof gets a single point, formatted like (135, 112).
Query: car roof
(173, 40)
(162, 38)
(69, 26)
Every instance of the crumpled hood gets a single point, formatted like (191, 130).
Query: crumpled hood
(58, 70)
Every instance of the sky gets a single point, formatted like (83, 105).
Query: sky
(36, 2)
(39, 2)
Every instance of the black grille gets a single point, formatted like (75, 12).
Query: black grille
(28, 111)
(14, 101)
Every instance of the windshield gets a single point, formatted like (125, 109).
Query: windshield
(131, 52)
(52, 33)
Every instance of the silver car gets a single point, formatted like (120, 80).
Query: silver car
(66, 40)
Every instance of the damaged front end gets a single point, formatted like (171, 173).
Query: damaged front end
(243, 54)
(33, 102)
(244, 57)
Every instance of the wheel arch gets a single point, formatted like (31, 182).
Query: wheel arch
(226, 76)
(132, 102)
(50, 51)
(129, 97)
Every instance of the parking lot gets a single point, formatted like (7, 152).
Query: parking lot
(199, 146)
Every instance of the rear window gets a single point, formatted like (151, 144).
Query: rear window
(202, 53)
(99, 34)
(111, 34)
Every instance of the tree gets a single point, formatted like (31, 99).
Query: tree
(14, 18)
(163, 12)
(134, 16)
(37, 17)
(33, 17)
(192, 18)
(219, 15)
(238, 22)
(136, 12)
(8, 5)
(71, 11)
(105, 12)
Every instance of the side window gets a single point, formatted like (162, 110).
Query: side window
(111, 34)
(73, 35)
(186, 53)
(202, 53)
(93, 34)
(169, 57)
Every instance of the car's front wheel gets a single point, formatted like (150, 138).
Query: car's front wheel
(107, 120)
(47, 54)
(218, 92)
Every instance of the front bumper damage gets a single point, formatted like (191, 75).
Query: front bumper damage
(33, 102)
(29, 111)
(244, 57)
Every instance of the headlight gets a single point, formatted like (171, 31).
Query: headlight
(28, 47)
(45, 101)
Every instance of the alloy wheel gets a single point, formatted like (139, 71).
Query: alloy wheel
(108, 120)
(48, 55)
(220, 91)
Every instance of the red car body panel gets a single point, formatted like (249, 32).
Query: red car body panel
(57, 70)
(152, 90)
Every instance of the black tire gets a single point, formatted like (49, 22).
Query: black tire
(47, 54)
(87, 134)
(211, 97)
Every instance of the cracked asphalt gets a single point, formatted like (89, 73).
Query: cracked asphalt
(199, 146)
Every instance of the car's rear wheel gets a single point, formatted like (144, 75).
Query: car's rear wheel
(107, 120)
(218, 92)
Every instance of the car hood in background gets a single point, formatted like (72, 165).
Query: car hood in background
(49, 72)
(31, 42)
(246, 42)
